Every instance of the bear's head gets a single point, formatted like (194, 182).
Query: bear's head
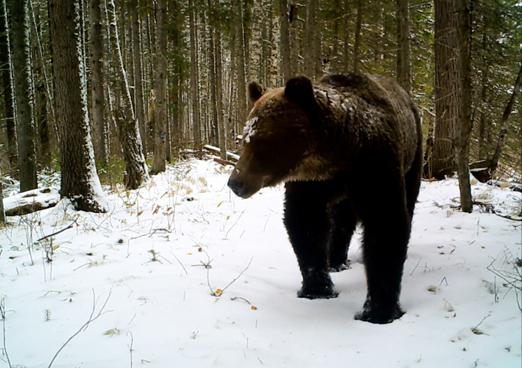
(277, 137)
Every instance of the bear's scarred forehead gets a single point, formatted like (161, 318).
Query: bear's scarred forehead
(270, 104)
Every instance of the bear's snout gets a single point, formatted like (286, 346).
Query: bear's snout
(237, 185)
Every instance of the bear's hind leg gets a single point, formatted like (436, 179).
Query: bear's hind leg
(307, 223)
(342, 228)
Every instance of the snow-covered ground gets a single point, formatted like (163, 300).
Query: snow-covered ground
(181, 273)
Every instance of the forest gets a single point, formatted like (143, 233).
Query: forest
(117, 89)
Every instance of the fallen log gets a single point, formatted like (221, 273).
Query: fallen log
(233, 157)
(30, 201)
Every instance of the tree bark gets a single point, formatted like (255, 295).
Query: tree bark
(284, 40)
(357, 42)
(138, 71)
(504, 122)
(160, 87)
(135, 167)
(241, 61)
(442, 160)
(194, 77)
(403, 42)
(2, 213)
(310, 34)
(40, 98)
(453, 91)
(99, 123)
(463, 126)
(5, 70)
(79, 180)
(21, 64)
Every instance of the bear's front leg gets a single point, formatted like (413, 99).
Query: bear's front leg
(307, 223)
(387, 225)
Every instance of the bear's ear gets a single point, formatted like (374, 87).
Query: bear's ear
(255, 91)
(300, 90)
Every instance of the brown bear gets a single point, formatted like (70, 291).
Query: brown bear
(349, 150)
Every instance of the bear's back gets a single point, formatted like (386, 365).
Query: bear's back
(387, 96)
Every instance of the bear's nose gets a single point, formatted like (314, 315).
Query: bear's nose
(237, 186)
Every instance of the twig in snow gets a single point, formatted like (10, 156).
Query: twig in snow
(131, 348)
(238, 276)
(180, 263)
(71, 225)
(92, 318)
(476, 330)
(219, 292)
(235, 223)
(2, 315)
(513, 280)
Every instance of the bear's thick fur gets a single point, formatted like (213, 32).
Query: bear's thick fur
(349, 150)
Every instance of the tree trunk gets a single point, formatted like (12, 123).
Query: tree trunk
(96, 49)
(284, 40)
(160, 87)
(462, 130)
(21, 64)
(222, 126)
(357, 42)
(194, 78)
(128, 131)
(484, 125)
(309, 39)
(403, 42)
(138, 71)
(504, 122)
(346, 38)
(40, 103)
(79, 180)
(2, 213)
(241, 61)
(453, 87)
(442, 160)
(5, 70)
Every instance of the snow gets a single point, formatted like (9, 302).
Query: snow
(196, 277)
(250, 129)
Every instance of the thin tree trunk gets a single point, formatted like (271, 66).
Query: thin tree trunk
(5, 70)
(309, 39)
(138, 71)
(96, 49)
(462, 130)
(79, 180)
(40, 103)
(20, 62)
(484, 126)
(128, 131)
(442, 160)
(357, 42)
(222, 126)
(241, 61)
(504, 122)
(346, 39)
(194, 79)
(2, 213)
(160, 87)
(403, 42)
(285, 40)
